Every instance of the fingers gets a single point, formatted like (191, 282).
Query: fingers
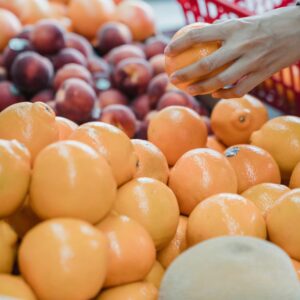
(229, 76)
(206, 65)
(243, 87)
(194, 36)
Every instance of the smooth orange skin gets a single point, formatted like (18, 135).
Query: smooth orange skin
(151, 161)
(8, 247)
(10, 26)
(225, 215)
(178, 244)
(191, 56)
(70, 179)
(16, 287)
(131, 252)
(64, 259)
(132, 291)
(65, 128)
(15, 6)
(234, 120)
(214, 144)
(23, 219)
(32, 124)
(156, 274)
(283, 223)
(152, 204)
(176, 130)
(295, 177)
(15, 172)
(113, 144)
(88, 16)
(296, 265)
(139, 17)
(281, 138)
(58, 9)
(252, 165)
(35, 10)
(264, 195)
(199, 174)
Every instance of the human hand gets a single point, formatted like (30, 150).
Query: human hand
(255, 47)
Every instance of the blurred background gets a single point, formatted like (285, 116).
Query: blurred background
(168, 14)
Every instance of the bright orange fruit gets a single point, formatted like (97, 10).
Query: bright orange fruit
(113, 144)
(283, 223)
(153, 205)
(264, 195)
(8, 247)
(198, 174)
(64, 259)
(252, 165)
(176, 130)
(178, 244)
(15, 287)
(225, 214)
(32, 124)
(15, 172)
(151, 161)
(133, 291)
(131, 250)
(70, 179)
(281, 138)
(234, 120)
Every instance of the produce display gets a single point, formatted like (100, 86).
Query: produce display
(114, 181)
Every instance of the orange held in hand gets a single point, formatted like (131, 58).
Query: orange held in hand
(283, 223)
(131, 250)
(176, 130)
(64, 259)
(234, 120)
(70, 179)
(198, 174)
(191, 56)
(14, 176)
(252, 165)
(153, 205)
(225, 214)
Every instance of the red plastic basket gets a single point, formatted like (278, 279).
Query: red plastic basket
(282, 90)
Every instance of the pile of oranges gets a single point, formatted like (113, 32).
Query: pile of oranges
(88, 213)
(86, 207)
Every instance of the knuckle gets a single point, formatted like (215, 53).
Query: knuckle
(205, 65)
